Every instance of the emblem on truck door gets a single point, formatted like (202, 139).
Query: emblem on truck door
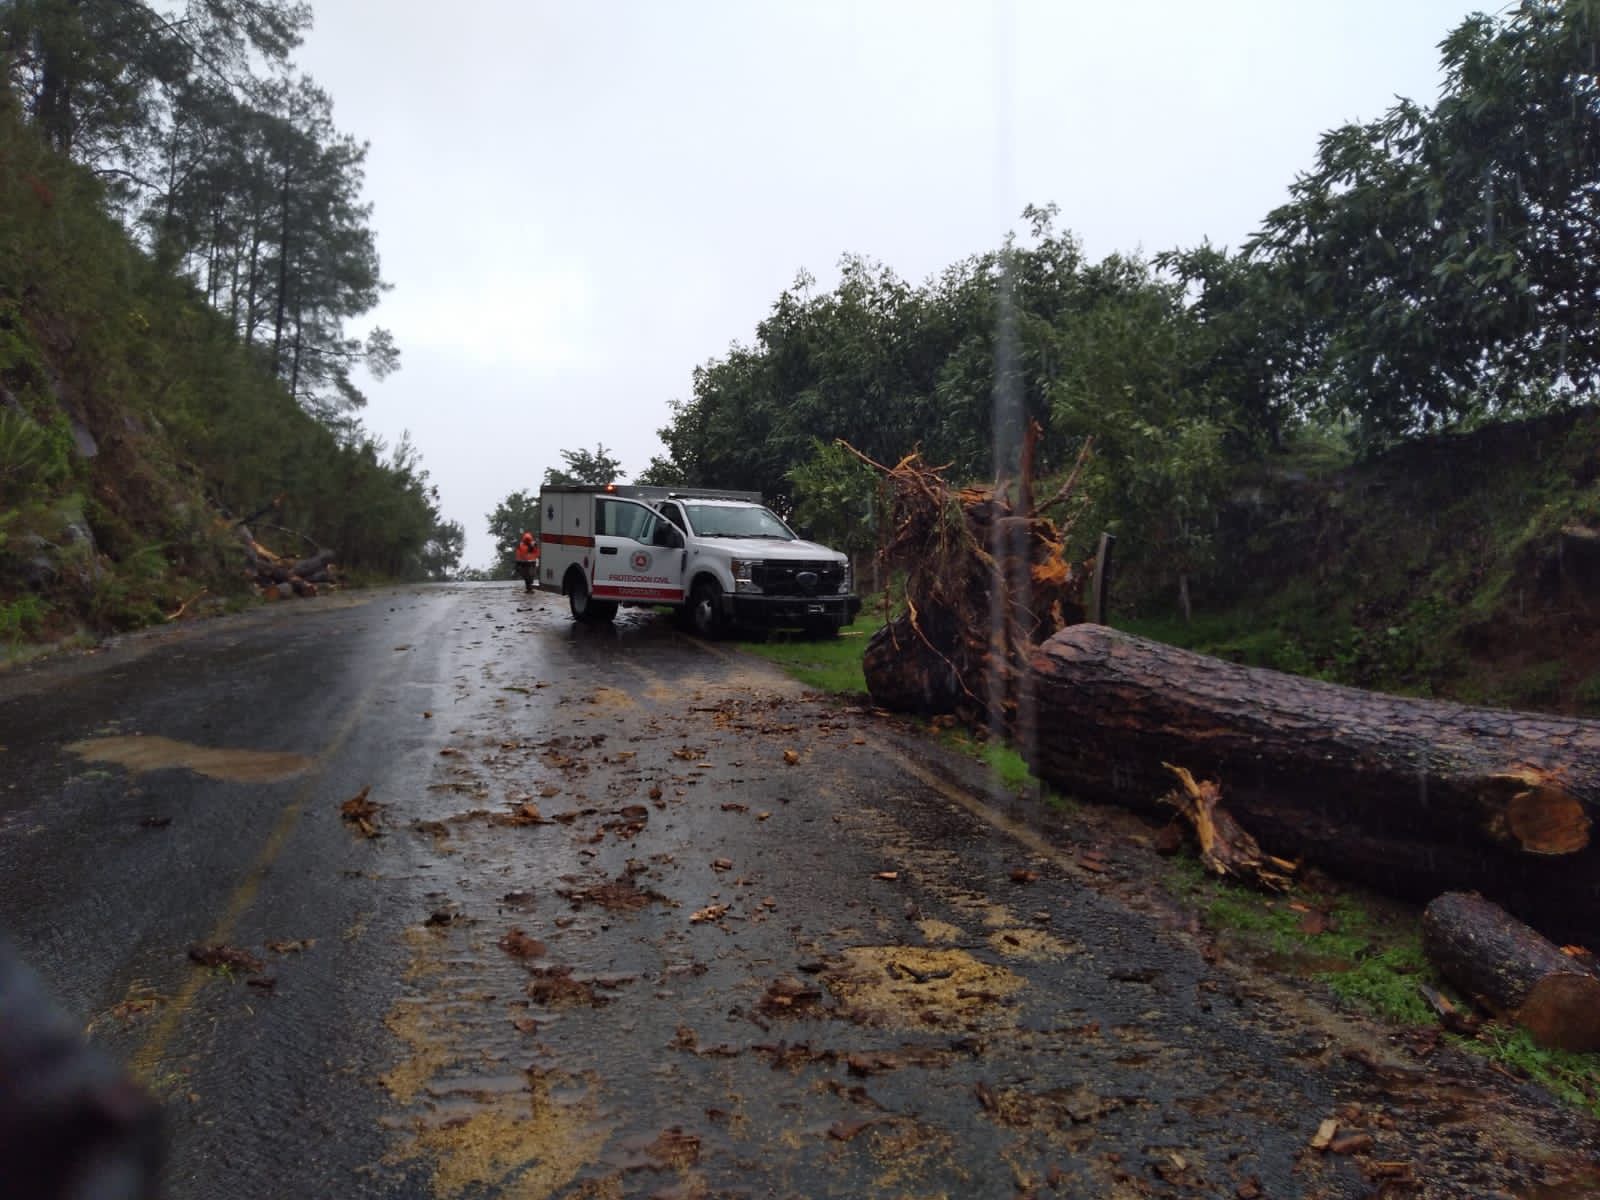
(640, 560)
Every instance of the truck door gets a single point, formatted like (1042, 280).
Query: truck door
(638, 556)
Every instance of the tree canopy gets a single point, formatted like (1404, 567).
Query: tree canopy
(1438, 267)
(591, 467)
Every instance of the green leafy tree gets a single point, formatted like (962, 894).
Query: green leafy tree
(95, 76)
(1446, 257)
(662, 472)
(592, 468)
(836, 500)
(517, 513)
(1159, 464)
(440, 556)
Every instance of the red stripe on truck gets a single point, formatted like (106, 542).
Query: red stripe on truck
(566, 539)
(664, 595)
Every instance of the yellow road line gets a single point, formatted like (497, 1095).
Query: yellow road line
(1017, 830)
(702, 644)
(1026, 834)
(154, 1048)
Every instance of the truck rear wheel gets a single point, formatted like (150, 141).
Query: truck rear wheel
(705, 608)
(585, 607)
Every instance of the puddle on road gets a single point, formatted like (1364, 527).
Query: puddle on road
(141, 754)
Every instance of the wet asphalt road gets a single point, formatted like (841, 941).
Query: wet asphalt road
(643, 919)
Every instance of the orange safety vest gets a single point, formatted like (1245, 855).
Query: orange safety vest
(528, 550)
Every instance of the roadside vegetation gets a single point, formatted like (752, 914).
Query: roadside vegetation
(182, 241)
(1359, 446)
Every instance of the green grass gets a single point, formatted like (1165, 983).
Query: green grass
(1575, 1078)
(1385, 984)
(833, 665)
(1007, 766)
(830, 665)
(1372, 961)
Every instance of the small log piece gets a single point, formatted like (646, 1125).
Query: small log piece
(1518, 974)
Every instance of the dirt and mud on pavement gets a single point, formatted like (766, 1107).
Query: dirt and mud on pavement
(539, 910)
(696, 934)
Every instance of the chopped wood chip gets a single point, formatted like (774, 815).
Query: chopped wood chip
(791, 757)
(1325, 1134)
(890, 876)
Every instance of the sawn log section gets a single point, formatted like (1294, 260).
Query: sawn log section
(1416, 796)
(1513, 971)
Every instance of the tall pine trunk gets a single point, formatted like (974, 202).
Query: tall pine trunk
(283, 278)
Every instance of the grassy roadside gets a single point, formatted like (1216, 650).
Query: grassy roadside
(833, 665)
(1368, 952)
(830, 665)
(1365, 950)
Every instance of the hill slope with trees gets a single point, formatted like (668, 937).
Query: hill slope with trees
(182, 241)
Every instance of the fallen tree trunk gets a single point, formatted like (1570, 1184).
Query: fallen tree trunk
(1513, 971)
(307, 567)
(1414, 796)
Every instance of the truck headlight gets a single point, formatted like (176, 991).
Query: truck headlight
(744, 570)
(845, 583)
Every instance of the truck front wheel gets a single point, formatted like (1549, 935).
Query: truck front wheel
(705, 608)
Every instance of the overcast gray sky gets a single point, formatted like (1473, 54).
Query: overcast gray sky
(577, 203)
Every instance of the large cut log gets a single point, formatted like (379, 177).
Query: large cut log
(1513, 971)
(1414, 796)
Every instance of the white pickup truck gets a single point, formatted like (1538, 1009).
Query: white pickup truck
(721, 558)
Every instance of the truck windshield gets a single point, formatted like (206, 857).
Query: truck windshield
(722, 520)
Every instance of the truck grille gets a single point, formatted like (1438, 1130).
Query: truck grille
(799, 578)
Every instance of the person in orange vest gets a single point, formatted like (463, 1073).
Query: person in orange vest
(527, 560)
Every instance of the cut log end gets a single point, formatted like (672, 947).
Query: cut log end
(1563, 1012)
(1541, 816)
